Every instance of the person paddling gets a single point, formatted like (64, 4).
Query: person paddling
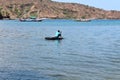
(58, 34)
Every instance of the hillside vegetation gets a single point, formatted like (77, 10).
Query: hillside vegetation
(14, 9)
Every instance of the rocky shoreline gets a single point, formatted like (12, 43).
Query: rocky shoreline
(14, 9)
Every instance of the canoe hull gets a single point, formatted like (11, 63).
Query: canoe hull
(53, 38)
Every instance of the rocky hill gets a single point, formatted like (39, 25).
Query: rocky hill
(14, 9)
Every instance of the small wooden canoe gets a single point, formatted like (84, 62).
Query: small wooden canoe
(53, 38)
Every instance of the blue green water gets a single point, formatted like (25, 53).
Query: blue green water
(89, 50)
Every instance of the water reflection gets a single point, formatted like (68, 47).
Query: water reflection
(58, 42)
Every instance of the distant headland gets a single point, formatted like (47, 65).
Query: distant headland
(14, 9)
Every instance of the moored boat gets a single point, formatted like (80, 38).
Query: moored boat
(30, 20)
(83, 20)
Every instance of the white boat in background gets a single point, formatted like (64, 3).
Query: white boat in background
(83, 20)
(32, 18)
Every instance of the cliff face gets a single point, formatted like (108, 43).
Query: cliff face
(46, 8)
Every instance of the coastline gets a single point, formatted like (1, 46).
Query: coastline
(51, 9)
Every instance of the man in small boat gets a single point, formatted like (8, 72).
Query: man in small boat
(58, 34)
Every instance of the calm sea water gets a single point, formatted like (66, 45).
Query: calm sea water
(90, 50)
